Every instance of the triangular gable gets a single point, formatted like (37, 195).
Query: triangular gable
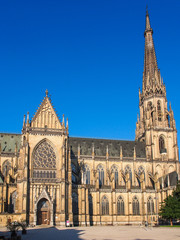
(46, 116)
(45, 195)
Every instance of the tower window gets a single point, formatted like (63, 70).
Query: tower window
(159, 111)
(162, 148)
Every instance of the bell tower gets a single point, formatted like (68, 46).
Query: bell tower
(156, 124)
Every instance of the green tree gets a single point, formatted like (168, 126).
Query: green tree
(170, 208)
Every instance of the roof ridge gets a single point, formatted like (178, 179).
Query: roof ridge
(106, 139)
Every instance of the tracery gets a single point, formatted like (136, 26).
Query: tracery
(44, 156)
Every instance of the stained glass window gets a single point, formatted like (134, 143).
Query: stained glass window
(44, 161)
(114, 169)
(86, 174)
(135, 205)
(150, 206)
(101, 175)
(105, 206)
(44, 156)
(120, 206)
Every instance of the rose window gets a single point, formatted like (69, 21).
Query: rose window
(44, 163)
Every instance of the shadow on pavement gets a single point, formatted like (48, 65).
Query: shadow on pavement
(50, 233)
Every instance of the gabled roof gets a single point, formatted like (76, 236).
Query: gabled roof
(100, 146)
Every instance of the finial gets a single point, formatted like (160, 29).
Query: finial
(63, 120)
(28, 119)
(79, 151)
(147, 10)
(46, 93)
(107, 152)
(24, 120)
(134, 153)
(93, 150)
(121, 153)
(67, 124)
(27, 116)
(170, 106)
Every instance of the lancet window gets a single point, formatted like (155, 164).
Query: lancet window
(101, 175)
(86, 174)
(74, 173)
(13, 202)
(150, 206)
(162, 145)
(135, 205)
(120, 206)
(114, 170)
(105, 206)
(159, 111)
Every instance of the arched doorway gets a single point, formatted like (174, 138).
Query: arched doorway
(43, 212)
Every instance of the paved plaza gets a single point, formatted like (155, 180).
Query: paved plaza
(101, 233)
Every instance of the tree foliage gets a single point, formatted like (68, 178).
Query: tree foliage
(170, 208)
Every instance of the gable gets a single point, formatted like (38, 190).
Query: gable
(46, 116)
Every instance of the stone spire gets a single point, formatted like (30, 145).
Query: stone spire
(156, 124)
(151, 74)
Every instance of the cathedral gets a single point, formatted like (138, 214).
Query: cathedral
(48, 177)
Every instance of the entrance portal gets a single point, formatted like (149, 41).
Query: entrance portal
(43, 212)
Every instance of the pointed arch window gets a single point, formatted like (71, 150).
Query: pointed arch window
(150, 206)
(105, 206)
(114, 170)
(73, 167)
(74, 173)
(101, 175)
(120, 206)
(159, 111)
(6, 166)
(135, 206)
(86, 174)
(162, 148)
(13, 202)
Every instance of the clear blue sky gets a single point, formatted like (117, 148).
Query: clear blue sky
(89, 55)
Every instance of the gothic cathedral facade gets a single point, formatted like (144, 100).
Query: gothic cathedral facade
(48, 177)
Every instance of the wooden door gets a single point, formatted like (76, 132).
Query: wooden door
(45, 217)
